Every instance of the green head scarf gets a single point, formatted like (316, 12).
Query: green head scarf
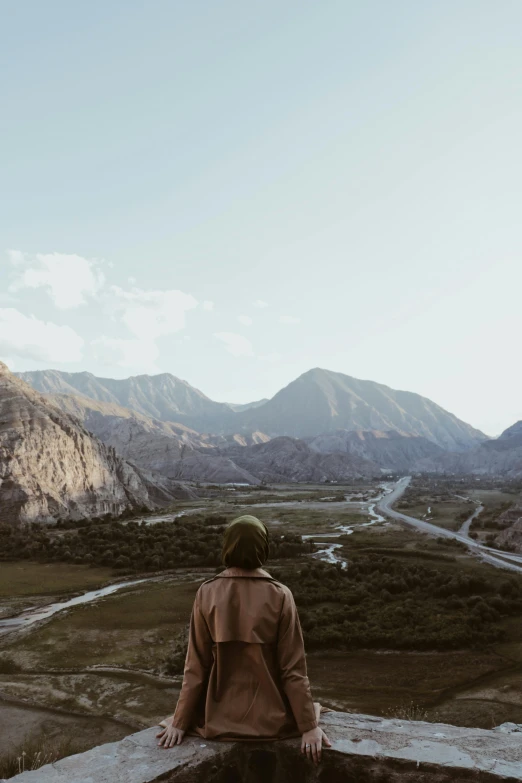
(245, 543)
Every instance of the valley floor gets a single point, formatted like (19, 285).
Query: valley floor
(99, 670)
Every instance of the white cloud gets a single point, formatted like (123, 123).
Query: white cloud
(235, 344)
(260, 304)
(29, 338)
(152, 314)
(271, 357)
(16, 256)
(139, 355)
(67, 278)
(289, 319)
(245, 320)
(207, 305)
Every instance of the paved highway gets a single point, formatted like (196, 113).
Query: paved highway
(496, 557)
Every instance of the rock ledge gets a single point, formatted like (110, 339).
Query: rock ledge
(364, 749)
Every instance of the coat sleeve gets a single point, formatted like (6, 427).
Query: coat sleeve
(292, 665)
(197, 666)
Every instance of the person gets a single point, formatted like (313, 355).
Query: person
(245, 672)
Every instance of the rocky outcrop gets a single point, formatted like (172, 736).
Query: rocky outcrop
(364, 749)
(499, 457)
(51, 467)
(323, 401)
(390, 450)
(289, 459)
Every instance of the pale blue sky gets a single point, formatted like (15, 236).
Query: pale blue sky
(355, 167)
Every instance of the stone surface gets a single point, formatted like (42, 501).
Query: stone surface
(509, 728)
(364, 750)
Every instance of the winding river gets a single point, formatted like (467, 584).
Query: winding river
(328, 552)
(31, 616)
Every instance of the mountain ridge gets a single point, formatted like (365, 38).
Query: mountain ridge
(317, 402)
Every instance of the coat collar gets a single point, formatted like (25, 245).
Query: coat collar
(251, 573)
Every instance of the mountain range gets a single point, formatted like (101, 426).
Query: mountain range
(163, 397)
(78, 445)
(317, 402)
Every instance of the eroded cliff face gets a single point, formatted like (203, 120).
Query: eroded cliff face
(51, 467)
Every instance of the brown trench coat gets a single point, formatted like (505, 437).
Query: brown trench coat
(245, 672)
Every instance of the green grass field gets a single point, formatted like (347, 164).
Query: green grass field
(444, 513)
(28, 578)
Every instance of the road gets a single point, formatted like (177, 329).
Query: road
(464, 530)
(495, 557)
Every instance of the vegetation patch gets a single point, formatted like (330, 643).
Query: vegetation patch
(382, 602)
(134, 546)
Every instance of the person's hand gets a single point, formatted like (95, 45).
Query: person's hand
(170, 736)
(312, 743)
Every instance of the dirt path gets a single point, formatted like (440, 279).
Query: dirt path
(464, 530)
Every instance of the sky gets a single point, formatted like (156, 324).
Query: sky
(238, 192)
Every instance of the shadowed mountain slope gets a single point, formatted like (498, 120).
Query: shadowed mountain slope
(387, 449)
